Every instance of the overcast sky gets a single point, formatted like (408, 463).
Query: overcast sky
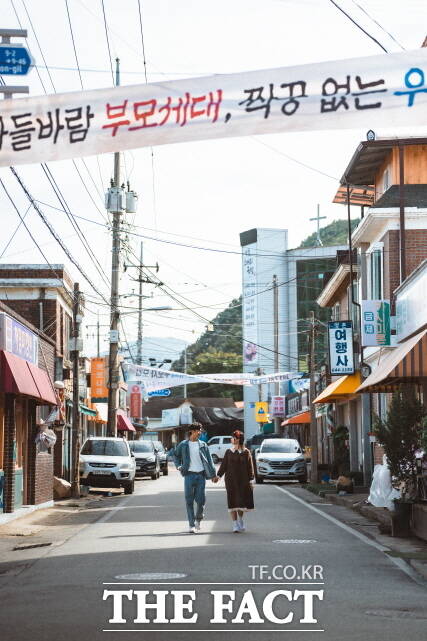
(202, 193)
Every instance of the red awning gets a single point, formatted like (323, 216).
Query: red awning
(21, 377)
(42, 381)
(299, 419)
(123, 422)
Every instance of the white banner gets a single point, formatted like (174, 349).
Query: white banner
(388, 90)
(153, 378)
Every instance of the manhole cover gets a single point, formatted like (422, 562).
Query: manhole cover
(396, 614)
(294, 541)
(151, 576)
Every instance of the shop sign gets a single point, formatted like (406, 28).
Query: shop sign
(341, 359)
(18, 339)
(277, 407)
(98, 380)
(375, 323)
(261, 412)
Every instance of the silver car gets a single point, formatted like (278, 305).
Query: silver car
(107, 462)
(280, 458)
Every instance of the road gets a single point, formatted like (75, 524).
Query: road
(60, 596)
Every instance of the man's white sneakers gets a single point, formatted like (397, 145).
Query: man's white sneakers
(197, 526)
(193, 530)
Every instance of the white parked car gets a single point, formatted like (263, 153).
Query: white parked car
(107, 462)
(218, 445)
(280, 458)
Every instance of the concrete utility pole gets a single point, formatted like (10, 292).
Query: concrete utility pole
(75, 355)
(139, 336)
(116, 193)
(277, 420)
(313, 423)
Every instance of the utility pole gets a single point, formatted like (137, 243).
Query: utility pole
(116, 195)
(313, 423)
(185, 371)
(139, 337)
(277, 420)
(75, 355)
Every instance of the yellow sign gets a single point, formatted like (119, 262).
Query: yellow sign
(261, 412)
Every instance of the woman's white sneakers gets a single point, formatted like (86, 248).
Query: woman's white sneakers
(241, 525)
(236, 528)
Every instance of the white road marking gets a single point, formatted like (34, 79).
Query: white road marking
(400, 563)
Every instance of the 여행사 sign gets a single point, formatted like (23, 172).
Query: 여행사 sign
(341, 358)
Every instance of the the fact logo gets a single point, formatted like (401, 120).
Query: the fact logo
(280, 607)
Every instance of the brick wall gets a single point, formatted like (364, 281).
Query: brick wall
(25, 271)
(378, 454)
(8, 461)
(416, 252)
(43, 485)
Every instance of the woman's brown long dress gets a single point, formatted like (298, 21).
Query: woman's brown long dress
(238, 469)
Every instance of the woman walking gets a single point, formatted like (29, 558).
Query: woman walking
(239, 472)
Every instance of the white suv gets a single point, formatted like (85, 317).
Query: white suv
(107, 462)
(280, 458)
(218, 445)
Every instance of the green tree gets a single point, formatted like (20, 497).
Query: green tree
(400, 435)
(213, 362)
(217, 351)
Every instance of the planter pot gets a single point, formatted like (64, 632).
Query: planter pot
(400, 520)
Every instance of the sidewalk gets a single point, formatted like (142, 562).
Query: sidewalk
(412, 550)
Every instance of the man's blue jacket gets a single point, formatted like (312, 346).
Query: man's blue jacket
(181, 458)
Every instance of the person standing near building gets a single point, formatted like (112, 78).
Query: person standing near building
(193, 459)
(239, 473)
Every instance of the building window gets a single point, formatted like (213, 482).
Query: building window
(336, 312)
(376, 274)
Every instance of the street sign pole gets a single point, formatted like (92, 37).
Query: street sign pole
(15, 60)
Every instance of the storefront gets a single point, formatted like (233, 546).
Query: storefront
(26, 472)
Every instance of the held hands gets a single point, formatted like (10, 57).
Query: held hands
(215, 479)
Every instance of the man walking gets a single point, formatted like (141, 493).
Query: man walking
(193, 459)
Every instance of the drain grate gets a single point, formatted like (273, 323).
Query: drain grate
(151, 576)
(397, 614)
(294, 541)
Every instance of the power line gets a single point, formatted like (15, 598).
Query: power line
(358, 25)
(14, 232)
(55, 235)
(108, 42)
(379, 25)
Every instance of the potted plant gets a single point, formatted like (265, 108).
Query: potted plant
(399, 434)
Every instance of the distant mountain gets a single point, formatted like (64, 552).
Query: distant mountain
(336, 233)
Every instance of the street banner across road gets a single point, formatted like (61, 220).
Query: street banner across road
(153, 378)
(388, 90)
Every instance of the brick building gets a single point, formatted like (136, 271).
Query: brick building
(388, 179)
(43, 295)
(27, 368)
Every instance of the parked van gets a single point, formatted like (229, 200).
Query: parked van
(218, 445)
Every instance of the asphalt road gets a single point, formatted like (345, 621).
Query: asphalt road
(365, 594)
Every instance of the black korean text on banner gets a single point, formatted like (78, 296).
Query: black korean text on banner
(387, 90)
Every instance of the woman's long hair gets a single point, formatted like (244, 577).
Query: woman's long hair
(240, 436)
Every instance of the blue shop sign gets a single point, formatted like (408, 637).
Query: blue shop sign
(18, 339)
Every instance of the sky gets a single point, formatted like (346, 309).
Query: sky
(201, 193)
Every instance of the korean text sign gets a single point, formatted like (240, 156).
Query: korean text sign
(341, 358)
(386, 90)
(375, 323)
(98, 383)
